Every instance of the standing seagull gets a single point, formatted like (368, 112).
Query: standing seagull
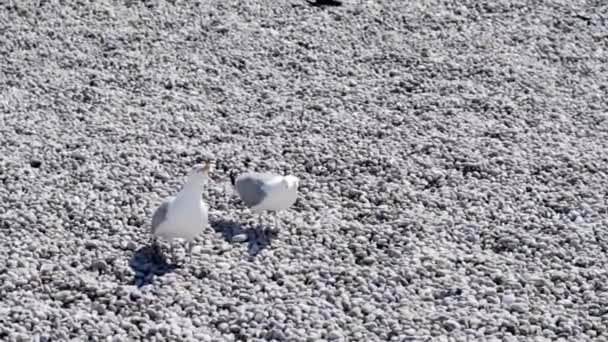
(266, 191)
(184, 215)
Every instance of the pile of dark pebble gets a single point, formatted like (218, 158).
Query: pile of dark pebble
(453, 157)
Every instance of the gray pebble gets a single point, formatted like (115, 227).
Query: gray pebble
(508, 299)
(334, 335)
(239, 238)
(451, 325)
(99, 265)
(519, 307)
(369, 260)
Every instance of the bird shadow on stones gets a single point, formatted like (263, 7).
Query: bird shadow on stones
(148, 263)
(257, 238)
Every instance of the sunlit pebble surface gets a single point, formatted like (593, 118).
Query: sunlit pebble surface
(453, 164)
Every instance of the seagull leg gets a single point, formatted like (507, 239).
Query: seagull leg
(259, 230)
(260, 221)
(190, 246)
(154, 245)
(155, 250)
(172, 251)
(276, 221)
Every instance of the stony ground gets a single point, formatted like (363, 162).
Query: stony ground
(453, 157)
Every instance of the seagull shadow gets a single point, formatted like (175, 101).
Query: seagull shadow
(257, 237)
(147, 263)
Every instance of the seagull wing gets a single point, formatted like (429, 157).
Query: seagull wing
(160, 214)
(253, 187)
(273, 184)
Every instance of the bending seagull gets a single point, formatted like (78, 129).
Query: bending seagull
(184, 215)
(266, 192)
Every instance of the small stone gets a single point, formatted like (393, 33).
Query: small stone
(361, 254)
(239, 238)
(118, 338)
(277, 334)
(99, 265)
(519, 307)
(474, 322)
(196, 249)
(161, 176)
(369, 260)
(46, 268)
(393, 253)
(451, 325)
(153, 314)
(176, 329)
(131, 246)
(105, 329)
(368, 309)
(508, 242)
(127, 326)
(508, 299)
(557, 276)
(79, 156)
(334, 335)
(20, 337)
(99, 308)
(90, 245)
(62, 296)
(471, 237)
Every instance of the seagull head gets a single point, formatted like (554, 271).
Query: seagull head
(291, 181)
(199, 173)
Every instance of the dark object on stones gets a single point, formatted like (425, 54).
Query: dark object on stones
(35, 163)
(320, 3)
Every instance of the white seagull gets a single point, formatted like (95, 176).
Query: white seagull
(266, 192)
(184, 215)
